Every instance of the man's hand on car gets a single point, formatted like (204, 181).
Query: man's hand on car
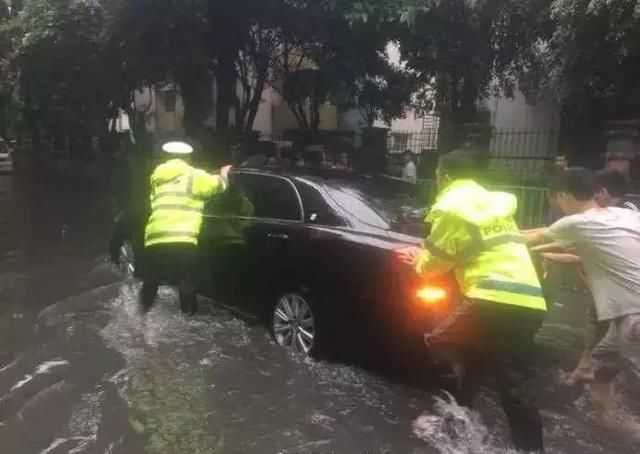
(224, 174)
(409, 255)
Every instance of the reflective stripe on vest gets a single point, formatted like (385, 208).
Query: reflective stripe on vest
(477, 247)
(175, 207)
(162, 235)
(510, 287)
(172, 226)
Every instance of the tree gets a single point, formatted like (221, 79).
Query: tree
(461, 51)
(606, 72)
(326, 55)
(9, 101)
(256, 59)
(66, 89)
(158, 42)
(384, 97)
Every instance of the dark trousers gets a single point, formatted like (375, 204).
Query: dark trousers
(495, 341)
(173, 264)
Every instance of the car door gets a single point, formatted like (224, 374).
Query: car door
(222, 244)
(272, 239)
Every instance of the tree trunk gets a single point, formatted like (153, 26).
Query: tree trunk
(314, 114)
(225, 89)
(297, 107)
(195, 89)
(254, 104)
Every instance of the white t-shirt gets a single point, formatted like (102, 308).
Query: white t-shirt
(608, 242)
(410, 172)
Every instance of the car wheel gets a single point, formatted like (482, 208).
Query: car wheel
(294, 324)
(127, 259)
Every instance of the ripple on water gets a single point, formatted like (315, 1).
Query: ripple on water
(43, 368)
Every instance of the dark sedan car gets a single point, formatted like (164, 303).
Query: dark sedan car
(313, 256)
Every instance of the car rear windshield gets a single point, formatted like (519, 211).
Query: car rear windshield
(370, 205)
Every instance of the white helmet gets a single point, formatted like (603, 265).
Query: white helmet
(177, 148)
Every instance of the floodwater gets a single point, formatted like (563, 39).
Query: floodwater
(82, 372)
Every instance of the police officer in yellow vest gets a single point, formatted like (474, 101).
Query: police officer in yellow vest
(178, 195)
(474, 234)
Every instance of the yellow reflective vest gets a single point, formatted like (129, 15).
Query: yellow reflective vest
(475, 230)
(178, 195)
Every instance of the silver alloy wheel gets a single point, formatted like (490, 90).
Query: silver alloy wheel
(126, 259)
(293, 323)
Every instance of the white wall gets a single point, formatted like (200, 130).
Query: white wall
(352, 120)
(411, 122)
(264, 117)
(516, 113)
(523, 130)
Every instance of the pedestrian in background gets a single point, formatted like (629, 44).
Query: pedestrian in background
(343, 163)
(611, 190)
(178, 195)
(409, 169)
(607, 241)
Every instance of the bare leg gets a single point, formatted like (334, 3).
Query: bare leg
(603, 395)
(583, 373)
(607, 360)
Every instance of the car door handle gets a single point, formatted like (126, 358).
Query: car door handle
(278, 236)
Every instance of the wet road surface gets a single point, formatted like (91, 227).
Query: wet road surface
(82, 372)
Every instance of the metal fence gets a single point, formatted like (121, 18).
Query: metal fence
(513, 149)
(417, 142)
(528, 151)
(523, 150)
(276, 139)
(533, 205)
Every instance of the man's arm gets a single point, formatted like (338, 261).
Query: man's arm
(548, 247)
(207, 185)
(447, 241)
(562, 257)
(537, 236)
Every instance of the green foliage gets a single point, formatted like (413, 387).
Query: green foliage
(348, 62)
(60, 65)
(465, 50)
(67, 66)
(591, 58)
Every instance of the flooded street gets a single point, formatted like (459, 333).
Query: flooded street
(82, 372)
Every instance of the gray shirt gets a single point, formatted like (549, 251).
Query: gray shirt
(608, 242)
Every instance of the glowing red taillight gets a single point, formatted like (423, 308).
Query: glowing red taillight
(427, 294)
(431, 294)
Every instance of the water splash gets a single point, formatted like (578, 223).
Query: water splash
(453, 429)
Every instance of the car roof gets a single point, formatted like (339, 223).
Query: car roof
(316, 175)
(368, 185)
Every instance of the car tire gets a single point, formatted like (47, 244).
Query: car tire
(296, 324)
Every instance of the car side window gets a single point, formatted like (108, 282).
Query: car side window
(270, 197)
(230, 203)
(316, 208)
